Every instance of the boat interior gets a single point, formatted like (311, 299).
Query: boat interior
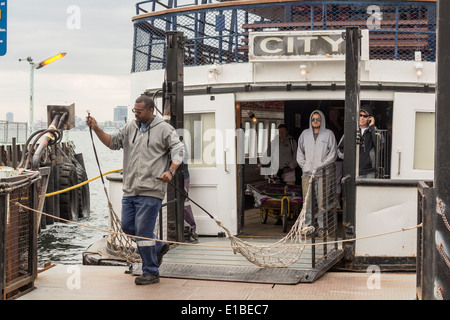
(260, 120)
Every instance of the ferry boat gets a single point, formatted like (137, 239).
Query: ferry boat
(252, 65)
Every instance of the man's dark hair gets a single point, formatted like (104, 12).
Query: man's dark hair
(148, 101)
(282, 126)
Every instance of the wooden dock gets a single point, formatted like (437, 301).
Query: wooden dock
(190, 273)
(78, 282)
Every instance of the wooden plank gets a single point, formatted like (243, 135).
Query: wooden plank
(400, 36)
(391, 44)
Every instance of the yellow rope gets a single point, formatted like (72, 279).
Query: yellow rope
(80, 184)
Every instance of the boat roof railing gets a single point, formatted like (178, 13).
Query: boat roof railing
(218, 31)
(155, 5)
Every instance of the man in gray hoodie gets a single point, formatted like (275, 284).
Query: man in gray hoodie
(316, 148)
(146, 142)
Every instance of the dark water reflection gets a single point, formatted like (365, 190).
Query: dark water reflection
(63, 242)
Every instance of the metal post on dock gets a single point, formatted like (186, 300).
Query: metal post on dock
(173, 110)
(31, 111)
(14, 155)
(352, 90)
(442, 166)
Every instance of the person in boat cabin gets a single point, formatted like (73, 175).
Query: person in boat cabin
(368, 140)
(147, 143)
(316, 148)
(287, 150)
(367, 146)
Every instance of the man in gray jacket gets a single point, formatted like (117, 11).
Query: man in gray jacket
(316, 148)
(146, 142)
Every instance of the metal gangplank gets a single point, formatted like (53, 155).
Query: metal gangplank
(214, 259)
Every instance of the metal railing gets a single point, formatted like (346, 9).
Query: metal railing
(19, 229)
(219, 34)
(155, 5)
(9, 130)
(324, 213)
(426, 215)
(383, 152)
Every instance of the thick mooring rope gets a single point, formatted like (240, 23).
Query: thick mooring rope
(282, 253)
(214, 245)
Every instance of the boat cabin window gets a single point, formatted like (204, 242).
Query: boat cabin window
(262, 138)
(424, 141)
(273, 128)
(247, 137)
(199, 135)
(250, 139)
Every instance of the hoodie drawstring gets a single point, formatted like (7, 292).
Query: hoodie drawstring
(134, 138)
(148, 136)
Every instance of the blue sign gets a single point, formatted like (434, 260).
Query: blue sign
(2, 27)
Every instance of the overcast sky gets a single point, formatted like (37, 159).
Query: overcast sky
(97, 36)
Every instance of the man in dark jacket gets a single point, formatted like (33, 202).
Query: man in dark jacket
(368, 141)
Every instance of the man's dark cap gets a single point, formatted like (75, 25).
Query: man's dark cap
(367, 109)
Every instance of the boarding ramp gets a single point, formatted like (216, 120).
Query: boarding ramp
(301, 255)
(288, 260)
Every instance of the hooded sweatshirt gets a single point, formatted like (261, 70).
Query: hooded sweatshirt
(146, 156)
(314, 153)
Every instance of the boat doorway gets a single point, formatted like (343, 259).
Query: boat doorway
(259, 121)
